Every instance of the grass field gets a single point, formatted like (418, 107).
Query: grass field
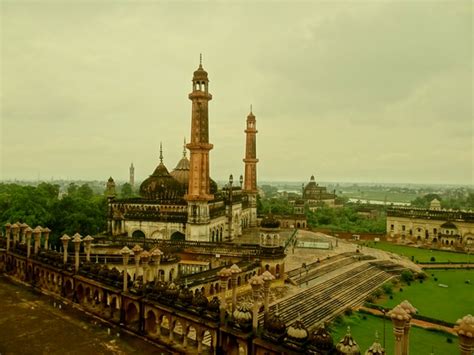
(444, 303)
(422, 341)
(422, 255)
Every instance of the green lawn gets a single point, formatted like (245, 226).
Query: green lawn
(422, 341)
(422, 255)
(448, 304)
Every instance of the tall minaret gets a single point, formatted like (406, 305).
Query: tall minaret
(132, 176)
(199, 182)
(250, 182)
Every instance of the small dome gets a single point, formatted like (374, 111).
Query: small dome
(200, 74)
(275, 324)
(297, 331)
(376, 348)
(321, 339)
(185, 295)
(200, 300)
(270, 222)
(213, 306)
(449, 225)
(347, 345)
(243, 313)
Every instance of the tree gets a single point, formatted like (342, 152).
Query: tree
(126, 190)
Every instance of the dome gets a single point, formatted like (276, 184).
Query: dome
(243, 313)
(297, 332)
(376, 348)
(321, 339)
(270, 222)
(200, 300)
(347, 345)
(275, 324)
(185, 295)
(161, 185)
(200, 73)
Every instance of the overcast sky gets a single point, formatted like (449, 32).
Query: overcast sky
(373, 91)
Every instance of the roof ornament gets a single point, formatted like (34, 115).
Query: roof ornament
(200, 60)
(251, 108)
(184, 148)
(161, 152)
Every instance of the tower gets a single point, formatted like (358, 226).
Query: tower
(250, 160)
(132, 176)
(199, 194)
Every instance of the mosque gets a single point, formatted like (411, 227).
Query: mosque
(186, 204)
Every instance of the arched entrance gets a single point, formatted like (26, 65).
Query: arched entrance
(138, 234)
(177, 237)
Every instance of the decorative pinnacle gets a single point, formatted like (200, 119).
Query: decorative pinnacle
(200, 60)
(250, 108)
(161, 152)
(184, 148)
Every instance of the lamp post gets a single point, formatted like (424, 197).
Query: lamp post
(87, 244)
(46, 232)
(28, 232)
(65, 240)
(256, 282)
(267, 278)
(77, 247)
(235, 270)
(125, 255)
(136, 254)
(37, 236)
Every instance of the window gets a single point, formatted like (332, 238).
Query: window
(403, 228)
(391, 227)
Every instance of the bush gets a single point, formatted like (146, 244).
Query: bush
(449, 340)
(348, 311)
(436, 279)
(407, 276)
(364, 317)
(377, 293)
(391, 297)
(370, 299)
(432, 258)
(401, 289)
(387, 289)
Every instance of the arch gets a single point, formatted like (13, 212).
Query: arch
(211, 289)
(267, 267)
(171, 273)
(80, 293)
(164, 322)
(239, 280)
(138, 234)
(178, 237)
(131, 314)
(207, 339)
(150, 322)
(178, 329)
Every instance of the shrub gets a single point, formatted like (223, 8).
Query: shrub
(377, 293)
(407, 276)
(364, 317)
(436, 279)
(401, 289)
(387, 289)
(391, 297)
(348, 311)
(370, 299)
(449, 340)
(432, 258)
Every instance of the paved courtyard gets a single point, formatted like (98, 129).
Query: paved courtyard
(32, 323)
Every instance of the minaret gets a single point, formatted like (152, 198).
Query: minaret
(199, 182)
(132, 176)
(250, 182)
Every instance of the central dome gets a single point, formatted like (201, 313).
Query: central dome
(161, 185)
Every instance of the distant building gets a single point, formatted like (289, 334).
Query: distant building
(436, 226)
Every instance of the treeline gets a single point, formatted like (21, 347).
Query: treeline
(80, 210)
(346, 219)
(452, 199)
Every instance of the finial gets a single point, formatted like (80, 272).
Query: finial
(161, 152)
(349, 329)
(250, 108)
(200, 60)
(184, 148)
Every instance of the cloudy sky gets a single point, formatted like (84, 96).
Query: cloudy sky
(374, 91)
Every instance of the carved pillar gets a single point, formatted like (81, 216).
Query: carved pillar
(37, 237)
(156, 257)
(7, 235)
(46, 232)
(406, 339)
(77, 247)
(87, 245)
(224, 275)
(267, 278)
(256, 282)
(65, 240)
(235, 271)
(15, 228)
(465, 331)
(126, 255)
(145, 256)
(23, 227)
(28, 232)
(399, 317)
(136, 254)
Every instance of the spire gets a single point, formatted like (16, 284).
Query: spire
(161, 152)
(184, 148)
(200, 60)
(251, 108)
